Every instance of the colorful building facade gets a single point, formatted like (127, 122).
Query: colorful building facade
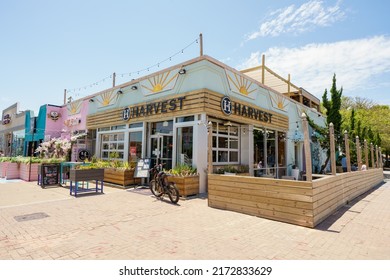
(165, 116)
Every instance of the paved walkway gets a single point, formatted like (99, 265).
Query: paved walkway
(132, 224)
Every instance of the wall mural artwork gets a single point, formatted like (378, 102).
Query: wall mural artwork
(278, 101)
(74, 107)
(241, 85)
(301, 110)
(107, 98)
(161, 82)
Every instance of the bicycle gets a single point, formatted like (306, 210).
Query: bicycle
(160, 185)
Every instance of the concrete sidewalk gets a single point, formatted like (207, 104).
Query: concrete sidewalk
(48, 223)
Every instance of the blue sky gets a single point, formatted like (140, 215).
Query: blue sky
(49, 46)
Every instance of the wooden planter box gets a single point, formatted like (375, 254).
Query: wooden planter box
(188, 185)
(25, 173)
(12, 170)
(3, 169)
(123, 177)
(77, 175)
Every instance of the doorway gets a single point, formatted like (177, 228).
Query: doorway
(161, 149)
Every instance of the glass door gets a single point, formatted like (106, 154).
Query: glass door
(161, 149)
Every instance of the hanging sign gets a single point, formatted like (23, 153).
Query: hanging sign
(83, 154)
(54, 115)
(6, 119)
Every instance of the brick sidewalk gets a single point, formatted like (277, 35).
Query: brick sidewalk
(132, 224)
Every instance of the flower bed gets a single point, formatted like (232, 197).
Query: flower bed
(3, 169)
(12, 171)
(123, 177)
(186, 179)
(28, 172)
(187, 185)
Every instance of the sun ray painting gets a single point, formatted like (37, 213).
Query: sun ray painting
(161, 82)
(240, 84)
(278, 101)
(74, 107)
(107, 98)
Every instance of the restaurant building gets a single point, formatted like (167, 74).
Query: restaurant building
(166, 116)
(62, 122)
(12, 131)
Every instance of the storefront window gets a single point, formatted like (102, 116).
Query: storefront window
(258, 142)
(162, 127)
(18, 143)
(185, 119)
(135, 146)
(281, 150)
(184, 145)
(269, 152)
(270, 134)
(112, 146)
(136, 125)
(225, 144)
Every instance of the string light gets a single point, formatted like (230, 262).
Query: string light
(146, 69)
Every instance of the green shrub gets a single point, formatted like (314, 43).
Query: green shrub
(182, 170)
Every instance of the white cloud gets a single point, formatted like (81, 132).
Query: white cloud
(298, 20)
(357, 64)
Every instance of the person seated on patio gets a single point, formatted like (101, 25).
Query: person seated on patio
(364, 167)
(344, 163)
(260, 168)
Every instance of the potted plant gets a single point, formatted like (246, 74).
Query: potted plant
(227, 170)
(12, 170)
(28, 168)
(88, 172)
(186, 179)
(3, 166)
(295, 172)
(120, 173)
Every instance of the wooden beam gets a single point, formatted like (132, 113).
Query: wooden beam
(209, 148)
(306, 143)
(201, 43)
(366, 153)
(346, 141)
(359, 153)
(372, 155)
(377, 156)
(332, 149)
(263, 69)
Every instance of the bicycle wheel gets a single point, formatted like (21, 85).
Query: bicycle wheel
(173, 193)
(155, 188)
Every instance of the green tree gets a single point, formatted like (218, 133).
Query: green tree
(333, 107)
(332, 111)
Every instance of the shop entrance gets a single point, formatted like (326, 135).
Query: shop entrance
(161, 149)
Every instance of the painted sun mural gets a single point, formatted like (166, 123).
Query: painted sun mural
(278, 101)
(107, 98)
(301, 110)
(161, 82)
(240, 84)
(74, 107)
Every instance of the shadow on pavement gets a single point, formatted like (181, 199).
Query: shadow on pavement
(327, 224)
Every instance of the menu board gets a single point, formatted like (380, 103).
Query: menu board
(49, 174)
(142, 168)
